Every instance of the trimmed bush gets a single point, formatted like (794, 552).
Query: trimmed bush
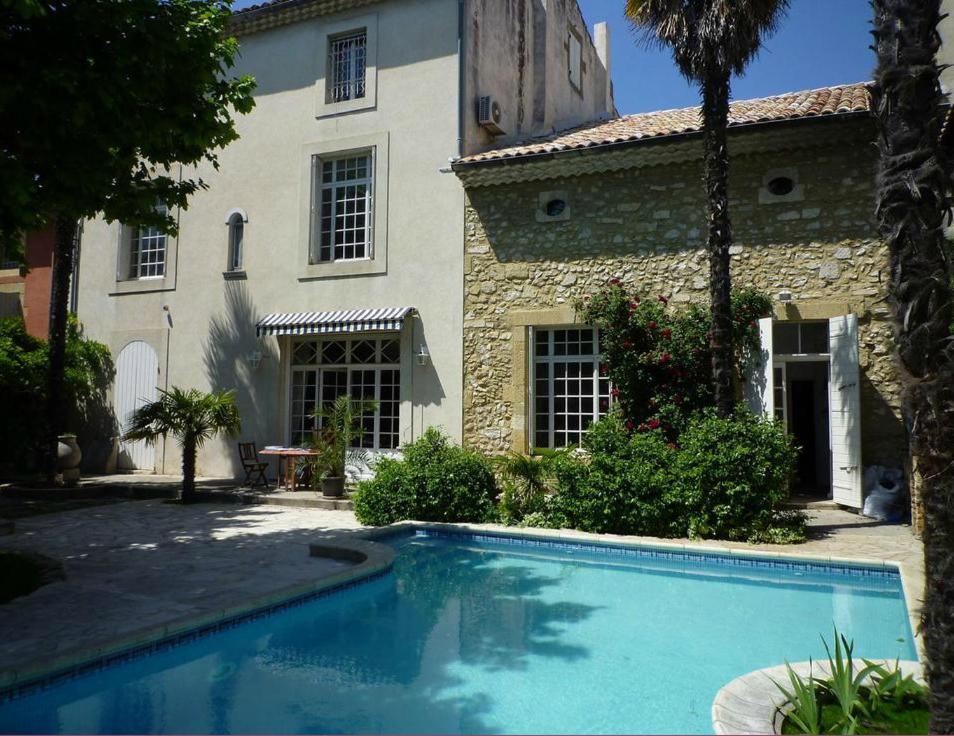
(733, 475)
(726, 479)
(435, 481)
(623, 486)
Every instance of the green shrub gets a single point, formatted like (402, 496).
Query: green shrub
(622, 486)
(435, 481)
(726, 479)
(24, 362)
(733, 475)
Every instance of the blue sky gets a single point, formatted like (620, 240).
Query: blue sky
(820, 43)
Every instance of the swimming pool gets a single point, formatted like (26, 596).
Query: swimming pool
(471, 633)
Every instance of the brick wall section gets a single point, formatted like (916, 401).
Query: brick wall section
(647, 227)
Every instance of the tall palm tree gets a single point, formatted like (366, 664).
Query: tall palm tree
(192, 417)
(710, 40)
(912, 202)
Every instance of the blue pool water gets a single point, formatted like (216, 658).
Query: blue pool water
(472, 635)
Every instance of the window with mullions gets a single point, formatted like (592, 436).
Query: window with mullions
(147, 253)
(342, 229)
(569, 391)
(347, 66)
(363, 368)
(799, 338)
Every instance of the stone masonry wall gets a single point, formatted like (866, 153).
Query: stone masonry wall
(647, 227)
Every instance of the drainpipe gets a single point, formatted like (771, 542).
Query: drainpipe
(461, 75)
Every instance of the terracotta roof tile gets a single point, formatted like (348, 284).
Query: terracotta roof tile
(838, 100)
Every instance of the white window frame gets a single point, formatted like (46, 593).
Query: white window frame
(550, 359)
(324, 85)
(325, 193)
(236, 220)
(352, 84)
(377, 262)
(320, 369)
(159, 243)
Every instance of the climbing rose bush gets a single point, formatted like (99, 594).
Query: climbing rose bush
(657, 357)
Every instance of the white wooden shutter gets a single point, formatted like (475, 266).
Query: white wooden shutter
(759, 383)
(137, 373)
(844, 411)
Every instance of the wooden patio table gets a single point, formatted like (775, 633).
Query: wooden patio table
(290, 455)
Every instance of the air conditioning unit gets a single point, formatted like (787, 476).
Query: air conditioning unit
(489, 114)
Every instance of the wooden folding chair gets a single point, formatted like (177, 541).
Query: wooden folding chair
(253, 467)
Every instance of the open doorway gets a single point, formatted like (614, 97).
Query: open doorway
(807, 393)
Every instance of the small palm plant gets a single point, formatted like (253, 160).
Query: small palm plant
(192, 417)
(339, 427)
(529, 477)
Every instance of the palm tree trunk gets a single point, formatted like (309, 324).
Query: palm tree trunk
(715, 115)
(188, 469)
(64, 248)
(912, 202)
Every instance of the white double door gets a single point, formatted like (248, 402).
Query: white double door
(844, 402)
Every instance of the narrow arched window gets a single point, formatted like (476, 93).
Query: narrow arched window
(236, 224)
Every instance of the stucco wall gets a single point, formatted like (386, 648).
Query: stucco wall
(516, 52)
(647, 227)
(414, 122)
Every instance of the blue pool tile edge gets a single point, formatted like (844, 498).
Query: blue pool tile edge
(718, 557)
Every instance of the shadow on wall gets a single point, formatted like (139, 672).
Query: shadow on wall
(226, 355)
(883, 436)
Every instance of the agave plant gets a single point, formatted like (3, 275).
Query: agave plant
(192, 417)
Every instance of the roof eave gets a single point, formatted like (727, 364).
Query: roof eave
(670, 138)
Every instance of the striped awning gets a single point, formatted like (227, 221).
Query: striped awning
(388, 319)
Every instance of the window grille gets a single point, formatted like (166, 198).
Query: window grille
(347, 57)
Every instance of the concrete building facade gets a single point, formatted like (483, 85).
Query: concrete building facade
(326, 255)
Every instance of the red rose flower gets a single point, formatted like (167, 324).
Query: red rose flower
(651, 324)
(604, 369)
(615, 282)
(614, 392)
(629, 426)
(633, 306)
(654, 424)
(664, 299)
(665, 358)
(667, 333)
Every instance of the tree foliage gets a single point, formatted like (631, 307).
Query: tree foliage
(24, 362)
(102, 99)
(658, 358)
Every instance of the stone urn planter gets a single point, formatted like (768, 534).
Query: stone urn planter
(752, 704)
(68, 458)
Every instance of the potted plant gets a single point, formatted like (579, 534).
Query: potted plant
(339, 426)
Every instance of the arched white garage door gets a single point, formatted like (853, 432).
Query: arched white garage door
(137, 373)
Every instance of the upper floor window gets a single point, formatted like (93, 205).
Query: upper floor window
(236, 224)
(347, 64)
(343, 198)
(147, 250)
(570, 390)
(574, 60)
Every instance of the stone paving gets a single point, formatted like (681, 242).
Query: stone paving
(139, 564)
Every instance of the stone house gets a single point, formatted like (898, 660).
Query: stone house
(325, 256)
(554, 218)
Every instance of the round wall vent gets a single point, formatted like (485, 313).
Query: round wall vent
(780, 186)
(555, 207)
